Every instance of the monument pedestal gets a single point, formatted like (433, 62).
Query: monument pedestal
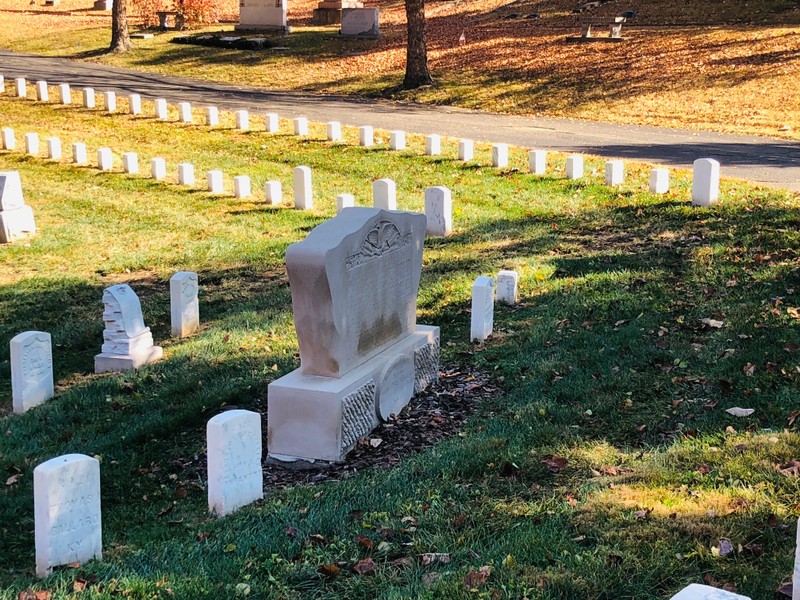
(16, 223)
(119, 363)
(329, 12)
(313, 418)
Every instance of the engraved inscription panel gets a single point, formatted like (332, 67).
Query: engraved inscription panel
(10, 191)
(234, 461)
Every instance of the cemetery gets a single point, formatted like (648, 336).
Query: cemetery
(305, 359)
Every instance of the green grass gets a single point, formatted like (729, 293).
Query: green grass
(605, 362)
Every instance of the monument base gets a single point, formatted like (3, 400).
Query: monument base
(119, 363)
(263, 28)
(314, 419)
(326, 16)
(16, 223)
(103, 5)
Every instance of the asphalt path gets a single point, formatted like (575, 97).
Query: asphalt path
(769, 161)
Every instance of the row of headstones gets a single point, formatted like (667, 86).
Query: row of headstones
(127, 343)
(705, 183)
(66, 490)
(485, 290)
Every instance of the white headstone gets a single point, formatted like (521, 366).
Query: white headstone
(796, 572)
(21, 87)
(185, 112)
(212, 116)
(54, 148)
(366, 136)
(273, 193)
(482, 320)
(158, 168)
(433, 144)
(574, 166)
(135, 104)
(615, 172)
(706, 592)
(397, 140)
(88, 98)
(537, 162)
(110, 101)
(507, 287)
(130, 163)
(705, 182)
(64, 93)
(186, 174)
(215, 183)
(271, 123)
(2, 84)
(438, 211)
(31, 370)
(242, 120)
(360, 22)
(300, 126)
(659, 181)
(66, 508)
(466, 150)
(42, 93)
(397, 387)
(32, 144)
(334, 131)
(79, 155)
(241, 186)
(303, 193)
(16, 217)
(344, 201)
(262, 14)
(184, 305)
(127, 343)
(160, 109)
(105, 160)
(500, 155)
(235, 475)
(9, 140)
(384, 194)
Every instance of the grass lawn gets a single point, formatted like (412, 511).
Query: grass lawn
(608, 468)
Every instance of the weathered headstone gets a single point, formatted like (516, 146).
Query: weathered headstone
(507, 287)
(344, 201)
(366, 136)
(105, 160)
(354, 283)
(300, 126)
(20, 87)
(334, 131)
(438, 211)
(360, 22)
(130, 163)
(54, 148)
(242, 120)
(241, 186)
(615, 172)
(273, 192)
(160, 109)
(500, 156)
(537, 162)
(16, 217)
(9, 139)
(397, 140)
(235, 475)
(384, 194)
(212, 116)
(110, 101)
(659, 183)
(433, 144)
(466, 150)
(706, 592)
(705, 182)
(127, 343)
(574, 166)
(2, 84)
(79, 155)
(184, 305)
(303, 193)
(482, 319)
(158, 168)
(66, 509)
(64, 93)
(31, 370)
(262, 14)
(796, 571)
(32, 144)
(185, 112)
(42, 92)
(135, 104)
(186, 174)
(271, 123)
(215, 183)
(88, 98)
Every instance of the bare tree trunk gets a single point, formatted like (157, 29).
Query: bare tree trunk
(120, 39)
(417, 73)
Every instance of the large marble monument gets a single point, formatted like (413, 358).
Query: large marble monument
(262, 15)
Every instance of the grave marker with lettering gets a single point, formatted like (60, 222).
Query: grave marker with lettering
(185, 112)
(31, 370)
(88, 98)
(215, 184)
(21, 87)
(500, 156)
(659, 182)
(482, 319)
(537, 162)
(300, 126)
(366, 136)
(42, 92)
(705, 182)
(160, 109)
(615, 172)
(507, 287)
(105, 160)
(212, 116)
(110, 101)
(135, 104)
(384, 194)
(303, 193)
(271, 123)
(241, 186)
(574, 166)
(54, 148)
(79, 155)
(9, 139)
(334, 131)
(64, 93)
(397, 140)
(242, 120)
(466, 150)
(433, 144)
(438, 211)
(158, 168)
(186, 174)
(16, 217)
(32, 144)
(184, 305)
(273, 193)
(130, 163)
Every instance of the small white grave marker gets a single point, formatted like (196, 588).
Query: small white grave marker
(537, 162)
(186, 174)
(507, 287)
(158, 168)
(303, 194)
(160, 108)
(110, 101)
(54, 148)
(659, 184)
(42, 92)
(31, 370)
(130, 163)
(212, 116)
(433, 144)
(796, 572)
(66, 508)
(482, 320)
(397, 140)
(235, 476)
(466, 150)
(574, 166)
(185, 112)
(184, 305)
(697, 591)
(135, 104)
(88, 98)
(344, 201)
(705, 184)
(215, 184)
(241, 186)
(438, 211)
(2, 84)
(32, 144)
(384, 194)
(366, 136)
(105, 160)
(9, 140)
(64, 93)
(79, 155)
(615, 172)
(500, 155)
(271, 124)
(300, 126)
(20, 87)
(242, 120)
(273, 193)
(334, 131)
(16, 217)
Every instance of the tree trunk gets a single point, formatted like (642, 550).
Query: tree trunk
(120, 39)
(417, 73)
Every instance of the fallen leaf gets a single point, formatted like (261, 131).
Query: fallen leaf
(365, 566)
(712, 323)
(749, 369)
(477, 578)
(364, 542)
(785, 588)
(740, 412)
(330, 571)
(555, 464)
(13, 479)
(375, 442)
(229, 548)
(291, 531)
(430, 558)
(30, 594)
(642, 514)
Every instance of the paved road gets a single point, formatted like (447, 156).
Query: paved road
(769, 161)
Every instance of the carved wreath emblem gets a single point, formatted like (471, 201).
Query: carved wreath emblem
(381, 239)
